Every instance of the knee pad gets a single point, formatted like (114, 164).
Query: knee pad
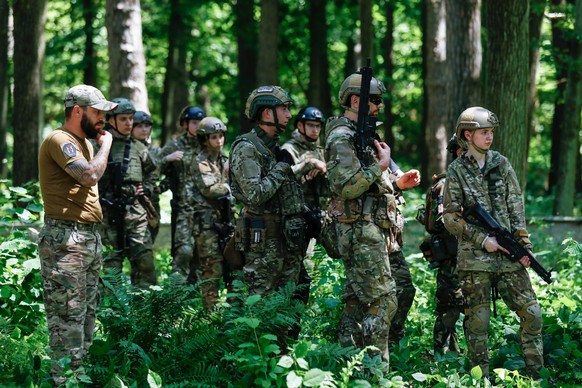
(530, 316)
(477, 319)
(185, 251)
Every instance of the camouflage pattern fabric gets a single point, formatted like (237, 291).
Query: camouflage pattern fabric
(138, 248)
(301, 150)
(370, 289)
(70, 257)
(256, 178)
(405, 293)
(178, 174)
(516, 291)
(480, 270)
(211, 181)
(449, 303)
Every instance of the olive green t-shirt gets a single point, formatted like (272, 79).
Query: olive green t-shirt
(64, 197)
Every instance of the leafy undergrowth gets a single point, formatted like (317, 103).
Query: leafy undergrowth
(164, 336)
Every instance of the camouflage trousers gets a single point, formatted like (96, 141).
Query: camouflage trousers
(70, 257)
(405, 293)
(184, 246)
(449, 306)
(516, 290)
(209, 269)
(137, 245)
(370, 290)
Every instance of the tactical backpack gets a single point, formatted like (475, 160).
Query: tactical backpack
(431, 214)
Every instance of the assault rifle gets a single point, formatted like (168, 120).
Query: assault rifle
(366, 129)
(117, 205)
(225, 228)
(477, 215)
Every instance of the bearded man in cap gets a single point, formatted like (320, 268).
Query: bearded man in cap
(69, 243)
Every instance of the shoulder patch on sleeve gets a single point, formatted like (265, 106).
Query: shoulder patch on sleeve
(69, 150)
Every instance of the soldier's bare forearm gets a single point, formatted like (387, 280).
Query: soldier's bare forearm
(88, 173)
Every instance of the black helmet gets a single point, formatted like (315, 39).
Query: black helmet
(191, 113)
(124, 106)
(453, 145)
(309, 113)
(142, 117)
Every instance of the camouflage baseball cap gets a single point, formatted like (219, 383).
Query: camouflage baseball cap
(85, 95)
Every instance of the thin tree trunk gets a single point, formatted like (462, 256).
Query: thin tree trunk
(570, 140)
(267, 67)
(90, 58)
(29, 49)
(127, 70)
(4, 86)
(175, 94)
(506, 77)
(319, 93)
(389, 70)
(536, 16)
(247, 41)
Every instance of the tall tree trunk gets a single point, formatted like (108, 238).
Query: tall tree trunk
(127, 70)
(319, 93)
(175, 94)
(560, 52)
(366, 31)
(90, 57)
(506, 77)
(267, 67)
(570, 140)
(453, 57)
(352, 43)
(29, 49)
(4, 86)
(536, 16)
(247, 41)
(389, 118)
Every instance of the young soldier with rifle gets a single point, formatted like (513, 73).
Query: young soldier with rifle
(484, 178)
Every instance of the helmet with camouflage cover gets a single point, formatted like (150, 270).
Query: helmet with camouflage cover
(142, 117)
(266, 96)
(210, 125)
(191, 113)
(309, 113)
(352, 85)
(473, 118)
(124, 106)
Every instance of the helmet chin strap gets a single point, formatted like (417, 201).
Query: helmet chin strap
(479, 149)
(280, 127)
(304, 134)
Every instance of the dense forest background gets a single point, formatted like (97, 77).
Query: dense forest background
(521, 59)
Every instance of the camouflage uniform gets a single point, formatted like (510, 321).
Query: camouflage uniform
(270, 230)
(367, 222)
(448, 296)
(496, 189)
(211, 181)
(179, 173)
(139, 168)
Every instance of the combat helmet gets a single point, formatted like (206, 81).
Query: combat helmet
(191, 113)
(210, 125)
(266, 96)
(352, 85)
(309, 113)
(142, 117)
(473, 118)
(124, 106)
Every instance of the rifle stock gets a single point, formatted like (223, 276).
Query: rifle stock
(477, 215)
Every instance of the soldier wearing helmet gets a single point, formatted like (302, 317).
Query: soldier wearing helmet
(130, 175)
(309, 169)
(440, 250)
(271, 224)
(486, 177)
(175, 160)
(368, 224)
(211, 215)
(142, 130)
